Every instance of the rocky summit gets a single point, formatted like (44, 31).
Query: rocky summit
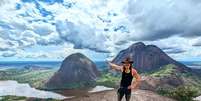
(147, 57)
(76, 70)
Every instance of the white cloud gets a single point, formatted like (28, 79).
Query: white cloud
(43, 29)
(161, 19)
(82, 36)
(105, 26)
(9, 54)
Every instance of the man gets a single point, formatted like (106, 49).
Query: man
(127, 83)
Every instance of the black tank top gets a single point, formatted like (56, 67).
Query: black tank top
(126, 78)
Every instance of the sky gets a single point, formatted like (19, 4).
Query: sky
(54, 29)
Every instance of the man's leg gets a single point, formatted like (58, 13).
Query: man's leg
(128, 95)
(120, 94)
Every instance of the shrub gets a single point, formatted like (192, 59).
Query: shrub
(181, 93)
(185, 93)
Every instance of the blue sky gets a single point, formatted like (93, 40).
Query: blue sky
(54, 29)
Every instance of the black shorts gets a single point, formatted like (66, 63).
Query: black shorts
(124, 90)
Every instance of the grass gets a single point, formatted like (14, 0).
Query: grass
(22, 98)
(108, 79)
(76, 85)
(12, 98)
(166, 70)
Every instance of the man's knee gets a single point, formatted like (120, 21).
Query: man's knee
(128, 96)
(120, 94)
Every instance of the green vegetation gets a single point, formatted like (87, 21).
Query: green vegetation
(166, 70)
(49, 99)
(77, 85)
(21, 98)
(12, 98)
(80, 85)
(108, 79)
(186, 92)
(193, 80)
(36, 78)
(181, 93)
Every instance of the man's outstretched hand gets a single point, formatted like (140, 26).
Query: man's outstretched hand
(114, 66)
(110, 64)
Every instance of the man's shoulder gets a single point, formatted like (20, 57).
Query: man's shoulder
(134, 71)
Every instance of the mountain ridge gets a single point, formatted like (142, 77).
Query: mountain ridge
(147, 57)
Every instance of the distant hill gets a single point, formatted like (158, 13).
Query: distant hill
(35, 67)
(76, 71)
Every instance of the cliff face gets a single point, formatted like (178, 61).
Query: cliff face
(147, 57)
(75, 70)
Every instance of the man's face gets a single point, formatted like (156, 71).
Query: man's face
(127, 65)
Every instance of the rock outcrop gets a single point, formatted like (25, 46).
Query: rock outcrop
(147, 57)
(76, 71)
(139, 95)
(154, 83)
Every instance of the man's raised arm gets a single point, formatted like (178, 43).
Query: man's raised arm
(116, 67)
